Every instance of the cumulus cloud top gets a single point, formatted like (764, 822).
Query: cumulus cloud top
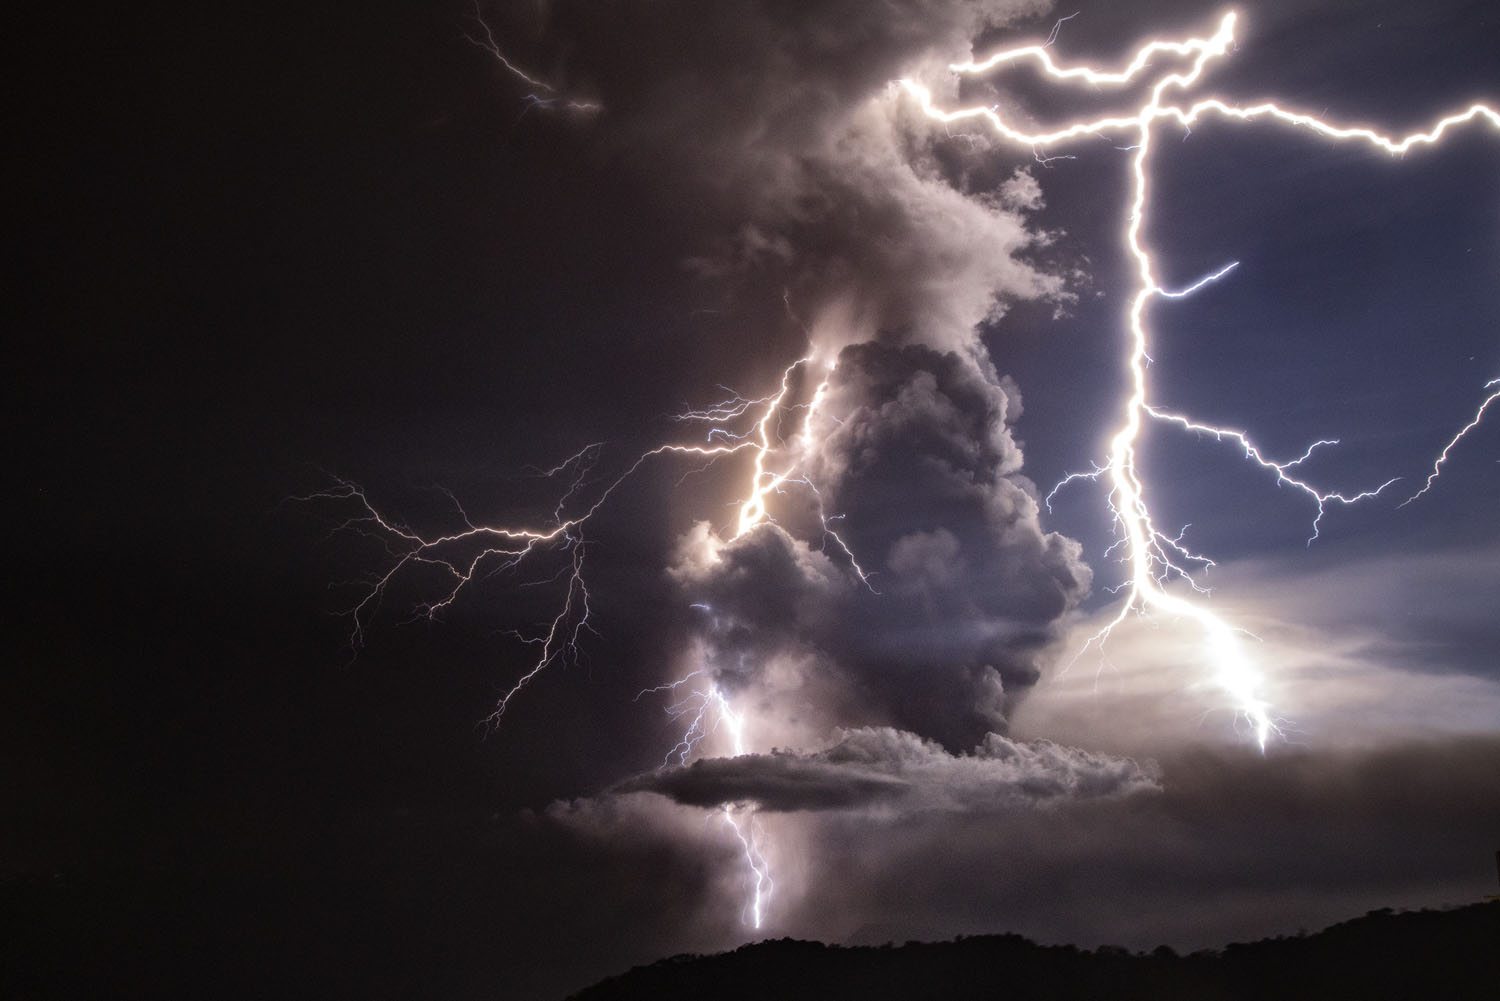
(775, 126)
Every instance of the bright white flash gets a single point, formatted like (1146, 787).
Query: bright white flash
(1153, 558)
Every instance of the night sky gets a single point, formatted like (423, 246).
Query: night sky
(261, 255)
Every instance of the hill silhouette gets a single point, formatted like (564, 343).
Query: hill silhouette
(1431, 955)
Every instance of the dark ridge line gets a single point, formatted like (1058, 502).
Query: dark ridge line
(1447, 955)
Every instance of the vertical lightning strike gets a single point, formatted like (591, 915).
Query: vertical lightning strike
(749, 837)
(706, 710)
(1154, 558)
(749, 834)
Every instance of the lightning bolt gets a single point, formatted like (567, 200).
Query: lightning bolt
(766, 428)
(1437, 464)
(707, 709)
(550, 98)
(1154, 559)
(771, 434)
(750, 837)
(481, 550)
(748, 832)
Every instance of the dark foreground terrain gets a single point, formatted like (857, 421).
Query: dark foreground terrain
(1429, 955)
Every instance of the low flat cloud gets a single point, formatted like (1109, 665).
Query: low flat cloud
(894, 770)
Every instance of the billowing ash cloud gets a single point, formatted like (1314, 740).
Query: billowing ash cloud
(880, 766)
(926, 472)
(923, 471)
(810, 179)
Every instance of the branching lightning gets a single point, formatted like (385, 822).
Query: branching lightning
(736, 425)
(1153, 558)
(478, 550)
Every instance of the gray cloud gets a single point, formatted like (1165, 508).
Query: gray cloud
(923, 471)
(773, 128)
(782, 781)
(887, 768)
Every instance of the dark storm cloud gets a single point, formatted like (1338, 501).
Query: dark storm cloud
(736, 88)
(925, 468)
(883, 767)
(781, 781)
(965, 585)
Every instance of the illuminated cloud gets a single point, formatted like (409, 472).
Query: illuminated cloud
(1344, 672)
(777, 124)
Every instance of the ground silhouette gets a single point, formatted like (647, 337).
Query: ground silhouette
(1431, 955)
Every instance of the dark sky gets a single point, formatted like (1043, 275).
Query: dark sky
(258, 253)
